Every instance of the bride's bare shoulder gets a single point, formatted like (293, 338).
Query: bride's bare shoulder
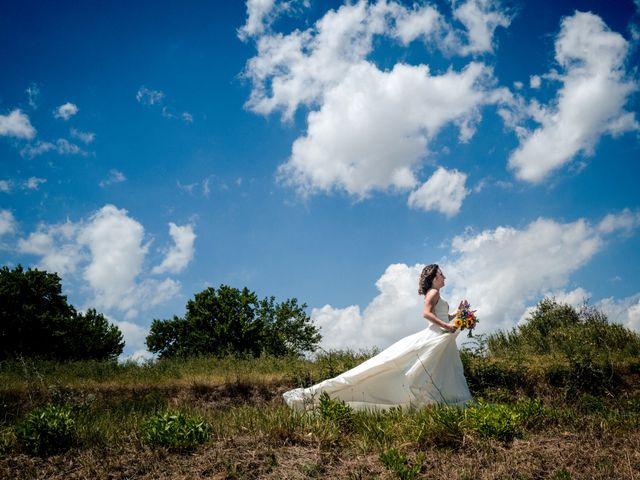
(432, 296)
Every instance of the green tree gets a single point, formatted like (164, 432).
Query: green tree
(37, 321)
(229, 321)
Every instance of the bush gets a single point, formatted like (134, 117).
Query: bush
(499, 422)
(399, 464)
(336, 411)
(176, 431)
(47, 430)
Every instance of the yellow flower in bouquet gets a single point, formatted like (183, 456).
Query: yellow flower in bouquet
(465, 317)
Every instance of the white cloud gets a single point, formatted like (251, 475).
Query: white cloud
(590, 103)
(134, 336)
(6, 186)
(56, 245)
(535, 81)
(62, 147)
(33, 183)
(423, 21)
(480, 18)
(33, 92)
(370, 129)
(259, 15)
(8, 223)
(187, 117)
(178, 256)
(16, 124)
(108, 251)
(149, 97)
(31, 151)
(576, 298)
(301, 67)
(625, 220)
(394, 313)
(115, 176)
(443, 192)
(262, 13)
(85, 137)
(117, 252)
(373, 130)
(500, 272)
(66, 111)
(625, 311)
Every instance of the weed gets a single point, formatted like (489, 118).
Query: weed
(47, 430)
(399, 464)
(499, 422)
(336, 411)
(175, 431)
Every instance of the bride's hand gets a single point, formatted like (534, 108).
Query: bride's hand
(451, 328)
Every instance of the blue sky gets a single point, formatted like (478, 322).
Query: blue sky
(324, 151)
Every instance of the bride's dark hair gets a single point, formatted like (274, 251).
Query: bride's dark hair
(426, 278)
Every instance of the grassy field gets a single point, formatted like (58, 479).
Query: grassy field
(561, 404)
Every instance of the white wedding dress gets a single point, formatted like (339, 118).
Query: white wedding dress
(421, 369)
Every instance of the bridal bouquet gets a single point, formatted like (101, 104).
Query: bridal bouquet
(465, 317)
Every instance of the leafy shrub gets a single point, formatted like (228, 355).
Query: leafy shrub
(554, 327)
(47, 430)
(494, 421)
(531, 412)
(336, 411)
(399, 464)
(175, 431)
(484, 373)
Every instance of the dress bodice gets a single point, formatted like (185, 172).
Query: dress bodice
(442, 310)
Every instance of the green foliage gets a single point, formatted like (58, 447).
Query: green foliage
(37, 321)
(499, 422)
(47, 430)
(398, 463)
(231, 321)
(336, 411)
(441, 425)
(555, 328)
(176, 431)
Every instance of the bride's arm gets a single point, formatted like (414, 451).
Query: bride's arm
(430, 300)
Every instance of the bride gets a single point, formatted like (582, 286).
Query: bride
(421, 369)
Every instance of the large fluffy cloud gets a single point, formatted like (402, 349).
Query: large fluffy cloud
(299, 68)
(590, 103)
(369, 129)
(117, 251)
(374, 128)
(108, 250)
(16, 124)
(500, 271)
